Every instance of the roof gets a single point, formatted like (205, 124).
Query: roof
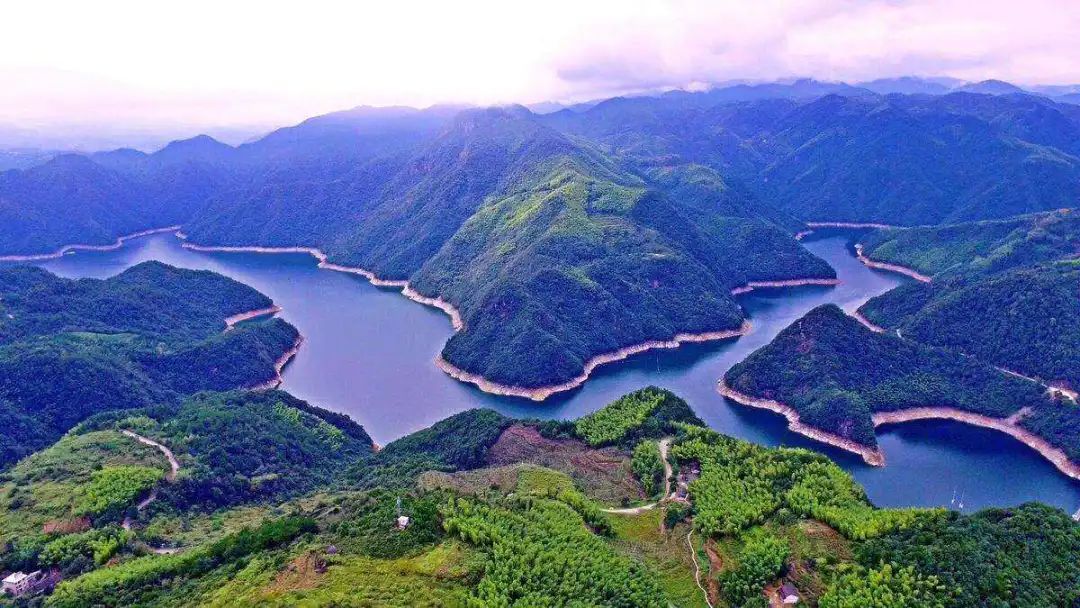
(788, 589)
(15, 578)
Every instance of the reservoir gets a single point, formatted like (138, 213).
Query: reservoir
(369, 353)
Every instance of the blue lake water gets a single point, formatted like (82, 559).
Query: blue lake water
(369, 352)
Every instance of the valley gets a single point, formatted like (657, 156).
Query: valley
(370, 353)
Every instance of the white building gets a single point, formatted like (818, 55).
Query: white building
(19, 583)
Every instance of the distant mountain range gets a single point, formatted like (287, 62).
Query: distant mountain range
(570, 235)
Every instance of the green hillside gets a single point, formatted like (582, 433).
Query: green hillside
(144, 336)
(1004, 292)
(317, 526)
(553, 251)
(836, 373)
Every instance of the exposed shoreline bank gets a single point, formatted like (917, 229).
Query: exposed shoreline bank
(856, 225)
(543, 392)
(867, 323)
(233, 320)
(752, 285)
(66, 249)
(1009, 426)
(876, 457)
(871, 456)
(904, 270)
(279, 366)
(456, 320)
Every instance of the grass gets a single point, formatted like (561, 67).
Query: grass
(664, 553)
(46, 486)
(435, 578)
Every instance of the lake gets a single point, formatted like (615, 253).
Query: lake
(369, 351)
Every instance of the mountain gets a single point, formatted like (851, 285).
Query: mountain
(837, 374)
(911, 85)
(898, 159)
(1003, 292)
(297, 508)
(69, 199)
(553, 252)
(991, 87)
(141, 337)
(650, 209)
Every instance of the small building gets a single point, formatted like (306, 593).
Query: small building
(789, 595)
(331, 550)
(21, 583)
(402, 522)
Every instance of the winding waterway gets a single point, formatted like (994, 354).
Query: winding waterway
(369, 353)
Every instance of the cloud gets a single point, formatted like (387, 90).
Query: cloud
(272, 61)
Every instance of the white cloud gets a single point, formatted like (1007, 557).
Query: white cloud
(246, 61)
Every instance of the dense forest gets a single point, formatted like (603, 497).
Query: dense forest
(568, 235)
(836, 373)
(145, 336)
(279, 503)
(1004, 292)
(553, 252)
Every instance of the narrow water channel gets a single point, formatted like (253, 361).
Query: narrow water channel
(369, 354)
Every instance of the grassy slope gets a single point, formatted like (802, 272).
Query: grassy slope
(377, 565)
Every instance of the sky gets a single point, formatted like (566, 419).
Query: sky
(241, 63)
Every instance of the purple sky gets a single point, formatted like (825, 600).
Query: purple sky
(262, 62)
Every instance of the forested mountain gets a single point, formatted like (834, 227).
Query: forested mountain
(1005, 292)
(901, 159)
(292, 507)
(552, 251)
(144, 336)
(984, 247)
(569, 235)
(836, 373)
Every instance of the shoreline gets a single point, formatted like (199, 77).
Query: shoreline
(752, 285)
(1010, 426)
(541, 393)
(872, 456)
(233, 320)
(66, 249)
(875, 457)
(456, 320)
(856, 225)
(279, 366)
(877, 329)
(904, 270)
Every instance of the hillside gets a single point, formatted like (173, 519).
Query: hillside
(514, 513)
(1004, 292)
(860, 157)
(552, 252)
(141, 337)
(839, 376)
(985, 247)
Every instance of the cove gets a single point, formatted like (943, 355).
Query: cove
(369, 352)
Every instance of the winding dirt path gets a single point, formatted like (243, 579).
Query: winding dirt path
(697, 568)
(174, 467)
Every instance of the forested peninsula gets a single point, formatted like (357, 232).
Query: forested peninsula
(829, 372)
(144, 336)
(1005, 292)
